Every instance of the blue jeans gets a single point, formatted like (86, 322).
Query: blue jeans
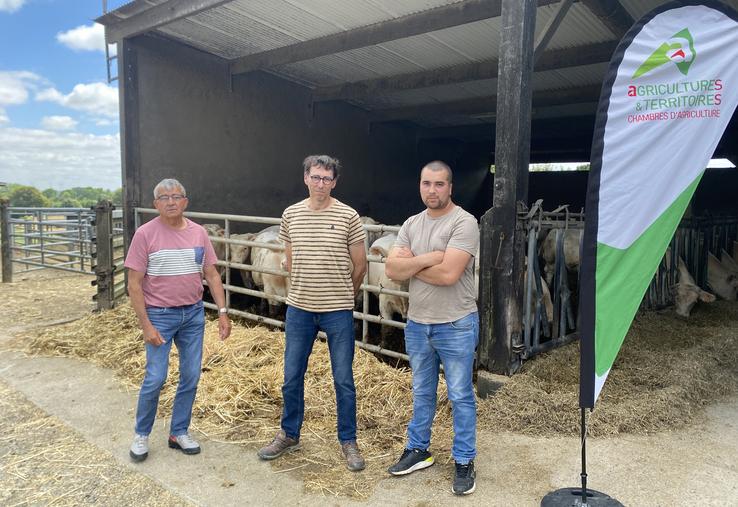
(185, 326)
(452, 344)
(301, 329)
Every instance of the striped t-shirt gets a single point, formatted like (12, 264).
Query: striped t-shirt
(172, 260)
(320, 280)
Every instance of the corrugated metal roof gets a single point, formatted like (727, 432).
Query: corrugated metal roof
(244, 27)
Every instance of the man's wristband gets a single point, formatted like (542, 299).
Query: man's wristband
(222, 311)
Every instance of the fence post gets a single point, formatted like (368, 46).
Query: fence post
(7, 241)
(104, 255)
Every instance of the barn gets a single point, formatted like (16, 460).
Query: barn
(230, 95)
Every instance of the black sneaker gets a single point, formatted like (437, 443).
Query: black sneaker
(410, 461)
(464, 483)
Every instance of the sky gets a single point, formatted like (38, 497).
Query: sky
(58, 114)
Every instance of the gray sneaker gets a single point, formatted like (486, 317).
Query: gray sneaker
(139, 448)
(354, 461)
(184, 443)
(280, 445)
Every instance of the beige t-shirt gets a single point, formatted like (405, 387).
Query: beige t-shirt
(320, 280)
(436, 304)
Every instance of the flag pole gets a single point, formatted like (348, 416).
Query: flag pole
(581, 496)
(584, 456)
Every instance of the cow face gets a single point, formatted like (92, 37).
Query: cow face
(687, 295)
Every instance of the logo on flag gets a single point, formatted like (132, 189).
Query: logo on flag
(679, 49)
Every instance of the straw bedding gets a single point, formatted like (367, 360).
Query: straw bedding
(667, 371)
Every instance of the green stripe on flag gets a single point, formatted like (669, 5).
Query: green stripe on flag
(623, 277)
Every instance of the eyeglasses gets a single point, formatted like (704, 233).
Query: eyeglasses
(317, 179)
(173, 197)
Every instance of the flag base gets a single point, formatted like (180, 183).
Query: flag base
(572, 497)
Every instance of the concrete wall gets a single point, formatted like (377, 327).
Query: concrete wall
(240, 150)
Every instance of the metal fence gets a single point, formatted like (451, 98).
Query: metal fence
(78, 240)
(228, 222)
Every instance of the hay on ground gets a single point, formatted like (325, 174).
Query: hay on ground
(667, 371)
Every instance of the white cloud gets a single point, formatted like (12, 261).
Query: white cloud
(3, 117)
(11, 5)
(58, 123)
(59, 159)
(97, 99)
(84, 38)
(15, 85)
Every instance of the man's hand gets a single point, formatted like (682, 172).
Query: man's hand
(224, 326)
(404, 252)
(152, 336)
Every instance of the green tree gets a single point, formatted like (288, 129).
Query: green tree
(118, 197)
(583, 167)
(31, 197)
(50, 194)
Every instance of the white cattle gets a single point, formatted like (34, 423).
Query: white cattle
(262, 257)
(572, 240)
(371, 236)
(687, 291)
(388, 304)
(217, 231)
(241, 254)
(721, 279)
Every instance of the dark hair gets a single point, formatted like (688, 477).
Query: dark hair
(324, 161)
(439, 165)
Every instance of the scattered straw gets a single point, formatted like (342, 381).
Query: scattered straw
(667, 371)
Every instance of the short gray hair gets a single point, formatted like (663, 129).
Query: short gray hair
(169, 184)
(325, 161)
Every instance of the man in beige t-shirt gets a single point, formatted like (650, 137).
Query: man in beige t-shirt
(435, 249)
(326, 258)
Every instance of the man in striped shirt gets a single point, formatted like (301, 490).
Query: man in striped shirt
(166, 262)
(324, 245)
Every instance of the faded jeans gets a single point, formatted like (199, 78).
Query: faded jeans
(301, 328)
(185, 326)
(451, 344)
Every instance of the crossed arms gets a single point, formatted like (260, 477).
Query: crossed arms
(436, 268)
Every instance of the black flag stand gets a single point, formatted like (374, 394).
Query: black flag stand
(580, 497)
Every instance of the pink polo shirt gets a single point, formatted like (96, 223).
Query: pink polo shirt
(173, 261)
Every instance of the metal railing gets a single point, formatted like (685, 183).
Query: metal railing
(77, 240)
(228, 263)
(58, 238)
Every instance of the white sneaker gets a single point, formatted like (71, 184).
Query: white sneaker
(139, 448)
(185, 443)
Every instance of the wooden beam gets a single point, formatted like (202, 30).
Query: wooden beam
(157, 16)
(501, 244)
(550, 29)
(446, 16)
(612, 14)
(486, 105)
(477, 71)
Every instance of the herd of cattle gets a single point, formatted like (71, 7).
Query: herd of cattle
(269, 273)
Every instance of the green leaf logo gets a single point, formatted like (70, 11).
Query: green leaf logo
(679, 49)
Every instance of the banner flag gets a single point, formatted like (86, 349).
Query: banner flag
(669, 93)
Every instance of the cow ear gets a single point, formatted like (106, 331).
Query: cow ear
(706, 297)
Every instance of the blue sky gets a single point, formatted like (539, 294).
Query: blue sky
(58, 114)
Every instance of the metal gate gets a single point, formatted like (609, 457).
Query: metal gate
(78, 240)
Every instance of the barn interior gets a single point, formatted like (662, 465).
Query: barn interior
(231, 95)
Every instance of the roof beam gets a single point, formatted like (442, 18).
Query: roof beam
(550, 29)
(159, 15)
(446, 16)
(554, 59)
(486, 105)
(612, 14)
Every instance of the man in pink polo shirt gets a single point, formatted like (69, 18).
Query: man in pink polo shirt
(166, 262)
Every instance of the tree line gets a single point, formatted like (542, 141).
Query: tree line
(77, 197)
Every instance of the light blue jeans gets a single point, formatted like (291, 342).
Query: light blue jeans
(452, 344)
(185, 326)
